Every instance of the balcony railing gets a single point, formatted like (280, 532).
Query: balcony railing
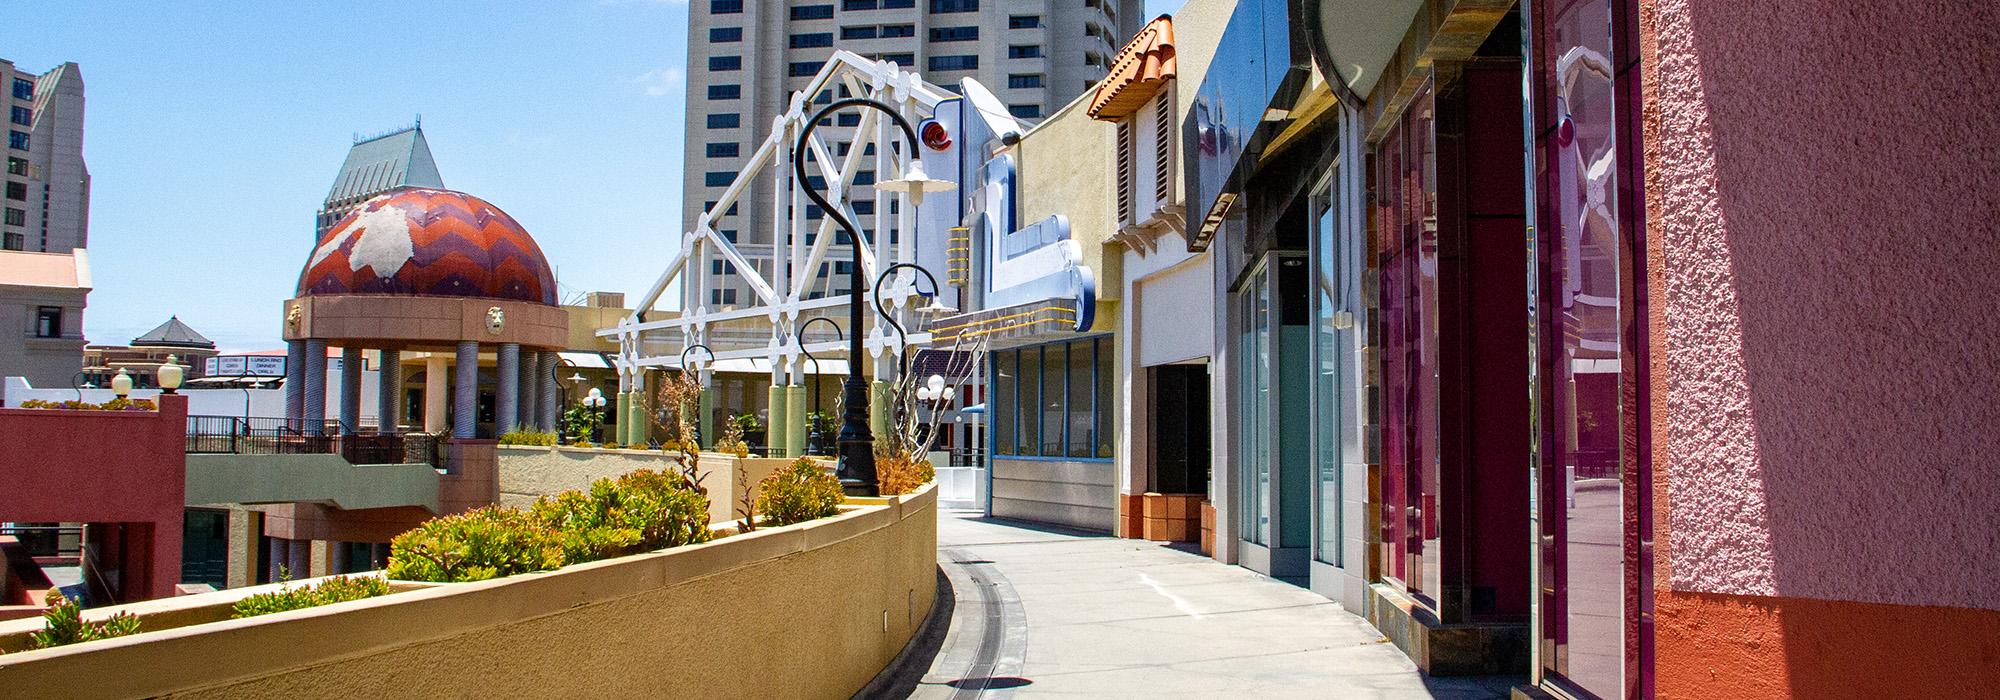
(288, 436)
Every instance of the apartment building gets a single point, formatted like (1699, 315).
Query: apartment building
(44, 269)
(745, 59)
(47, 199)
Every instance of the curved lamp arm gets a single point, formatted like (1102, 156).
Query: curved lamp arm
(801, 337)
(799, 156)
(902, 338)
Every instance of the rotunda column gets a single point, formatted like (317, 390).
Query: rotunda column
(435, 388)
(507, 389)
(465, 396)
(546, 378)
(388, 388)
(314, 398)
(295, 384)
(350, 389)
(528, 404)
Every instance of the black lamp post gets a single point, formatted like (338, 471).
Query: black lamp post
(815, 438)
(857, 443)
(697, 399)
(935, 307)
(562, 399)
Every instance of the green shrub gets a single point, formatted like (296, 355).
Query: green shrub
(799, 492)
(529, 436)
(638, 512)
(478, 544)
(63, 624)
(338, 589)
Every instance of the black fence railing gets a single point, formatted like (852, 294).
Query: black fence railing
(287, 436)
(259, 436)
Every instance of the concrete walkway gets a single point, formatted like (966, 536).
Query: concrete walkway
(1046, 612)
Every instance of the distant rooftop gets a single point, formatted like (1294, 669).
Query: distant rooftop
(174, 334)
(25, 269)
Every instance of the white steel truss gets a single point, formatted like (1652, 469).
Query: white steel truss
(782, 301)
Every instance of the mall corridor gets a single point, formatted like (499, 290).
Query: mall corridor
(1037, 611)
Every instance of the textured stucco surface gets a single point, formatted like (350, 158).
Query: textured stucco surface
(1824, 185)
(808, 611)
(530, 472)
(1721, 647)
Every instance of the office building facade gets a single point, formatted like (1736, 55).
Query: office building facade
(745, 59)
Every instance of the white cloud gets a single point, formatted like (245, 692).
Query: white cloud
(661, 82)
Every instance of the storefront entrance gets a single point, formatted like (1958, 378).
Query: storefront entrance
(1593, 480)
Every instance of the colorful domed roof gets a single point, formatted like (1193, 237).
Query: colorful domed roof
(429, 242)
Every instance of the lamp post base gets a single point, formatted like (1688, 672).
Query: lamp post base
(857, 487)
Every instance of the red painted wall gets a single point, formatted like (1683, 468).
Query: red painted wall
(100, 467)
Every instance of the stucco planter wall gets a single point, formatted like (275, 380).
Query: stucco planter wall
(530, 472)
(805, 611)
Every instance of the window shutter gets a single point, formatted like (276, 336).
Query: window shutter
(1163, 126)
(1125, 158)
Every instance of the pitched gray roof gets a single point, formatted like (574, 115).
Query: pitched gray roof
(383, 163)
(173, 333)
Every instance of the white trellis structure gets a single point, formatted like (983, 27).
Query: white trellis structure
(780, 302)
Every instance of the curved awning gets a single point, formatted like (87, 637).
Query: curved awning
(1137, 72)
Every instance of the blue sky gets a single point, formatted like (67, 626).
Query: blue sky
(213, 130)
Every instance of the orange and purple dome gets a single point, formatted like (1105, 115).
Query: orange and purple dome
(429, 242)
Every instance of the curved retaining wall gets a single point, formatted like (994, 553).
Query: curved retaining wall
(529, 472)
(807, 611)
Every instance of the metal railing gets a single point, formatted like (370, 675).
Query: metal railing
(288, 436)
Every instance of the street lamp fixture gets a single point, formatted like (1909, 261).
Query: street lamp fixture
(815, 438)
(857, 445)
(170, 375)
(595, 402)
(562, 399)
(121, 384)
(934, 308)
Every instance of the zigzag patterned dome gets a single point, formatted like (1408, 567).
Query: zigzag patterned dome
(429, 242)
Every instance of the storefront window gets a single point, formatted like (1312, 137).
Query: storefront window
(1082, 400)
(1053, 400)
(1586, 476)
(1410, 347)
(1254, 415)
(1336, 320)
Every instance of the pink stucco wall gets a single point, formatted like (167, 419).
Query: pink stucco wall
(100, 467)
(1826, 183)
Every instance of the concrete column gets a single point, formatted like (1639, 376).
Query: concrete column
(545, 379)
(278, 557)
(777, 430)
(639, 415)
(350, 389)
(435, 386)
(336, 557)
(243, 529)
(295, 384)
(705, 422)
(507, 392)
(388, 391)
(314, 398)
(796, 430)
(298, 559)
(465, 396)
(621, 431)
(528, 409)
